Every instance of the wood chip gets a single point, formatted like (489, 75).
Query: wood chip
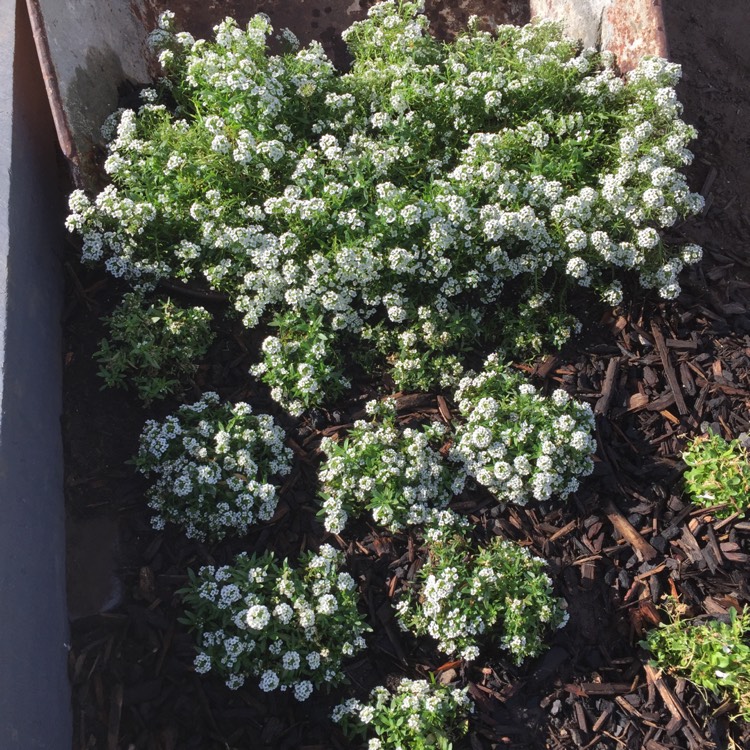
(688, 382)
(115, 713)
(637, 401)
(713, 544)
(443, 408)
(580, 716)
(588, 574)
(549, 365)
(627, 707)
(586, 689)
(690, 346)
(709, 181)
(603, 717)
(690, 545)
(671, 376)
(602, 405)
(653, 571)
(669, 416)
(679, 713)
(631, 535)
(412, 401)
(663, 402)
(570, 526)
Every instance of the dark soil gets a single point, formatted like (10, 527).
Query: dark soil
(653, 372)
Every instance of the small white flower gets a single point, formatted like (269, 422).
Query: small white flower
(269, 681)
(235, 681)
(202, 663)
(258, 617)
(303, 690)
(290, 660)
(284, 613)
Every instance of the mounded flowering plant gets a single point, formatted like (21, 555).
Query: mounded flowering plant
(418, 715)
(289, 627)
(217, 465)
(395, 473)
(300, 364)
(517, 443)
(465, 596)
(153, 346)
(415, 206)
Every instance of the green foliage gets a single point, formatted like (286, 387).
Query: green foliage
(713, 655)
(293, 627)
(434, 200)
(302, 364)
(153, 347)
(718, 473)
(419, 715)
(395, 473)
(499, 592)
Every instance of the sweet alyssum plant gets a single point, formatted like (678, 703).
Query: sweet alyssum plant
(415, 206)
(291, 627)
(517, 443)
(395, 473)
(718, 473)
(464, 596)
(713, 655)
(419, 715)
(301, 363)
(153, 346)
(218, 467)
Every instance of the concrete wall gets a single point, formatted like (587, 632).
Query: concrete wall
(34, 690)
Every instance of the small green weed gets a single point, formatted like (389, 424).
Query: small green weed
(718, 473)
(714, 655)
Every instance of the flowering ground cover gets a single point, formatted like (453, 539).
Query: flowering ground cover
(650, 370)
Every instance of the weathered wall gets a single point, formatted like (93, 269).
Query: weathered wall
(87, 49)
(629, 28)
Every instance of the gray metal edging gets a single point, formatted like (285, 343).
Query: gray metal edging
(34, 689)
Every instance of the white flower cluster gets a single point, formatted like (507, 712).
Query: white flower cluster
(517, 443)
(418, 715)
(291, 628)
(403, 196)
(393, 472)
(217, 467)
(500, 593)
(300, 368)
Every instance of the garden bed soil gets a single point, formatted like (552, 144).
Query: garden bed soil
(653, 373)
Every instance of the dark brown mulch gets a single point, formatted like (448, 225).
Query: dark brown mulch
(653, 374)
